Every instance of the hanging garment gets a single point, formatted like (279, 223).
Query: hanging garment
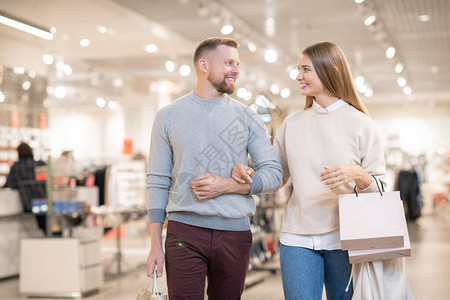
(409, 187)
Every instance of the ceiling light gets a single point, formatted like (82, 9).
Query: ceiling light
(271, 56)
(401, 81)
(19, 70)
(53, 30)
(151, 48)
(285, 93)
(275, 89)
(248, 95)
(2, 97)
(251, 47)
(398, 68)
(100, 102)
(293, 74)
(241, 92)
(67, 70)
(390, 52)
(185, 70)
(424, 18)
(368, 93)
(60, 92)
(28, 28)
(117, 82)
(270, 26)
(170, 66)
(407, 90)
(227, 29)
(359, 80)
(434, 69)
(60, 65)
(85, 42)
(362, 88)
(359, 1)
(112, 104)
(47, 59)
(369, 21)
(26, 85)
(49, 89)
(32, 73)
(102, 29)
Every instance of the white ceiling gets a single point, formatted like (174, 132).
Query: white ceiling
(176, 26)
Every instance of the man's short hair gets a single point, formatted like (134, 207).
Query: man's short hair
(212, 43)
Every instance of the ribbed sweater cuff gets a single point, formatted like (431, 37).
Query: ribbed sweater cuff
(257, 185)
(156, 215)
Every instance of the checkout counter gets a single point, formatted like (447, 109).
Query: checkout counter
(48, 266)
(14, 226)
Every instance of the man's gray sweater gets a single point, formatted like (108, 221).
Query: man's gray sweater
(193, 136)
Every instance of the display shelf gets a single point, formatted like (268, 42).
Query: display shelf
(126, 186)
(10, 138)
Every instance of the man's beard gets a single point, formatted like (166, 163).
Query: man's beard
(221, 86)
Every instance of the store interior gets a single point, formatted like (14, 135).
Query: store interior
(82, 88)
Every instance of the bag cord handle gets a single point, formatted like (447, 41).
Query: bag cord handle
(155, 291)
(378, 186)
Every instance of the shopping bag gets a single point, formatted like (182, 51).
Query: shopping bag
(370, 220)
(144, 293)
(381, 280)
(358, 256)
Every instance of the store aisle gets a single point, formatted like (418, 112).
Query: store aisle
(428, 269)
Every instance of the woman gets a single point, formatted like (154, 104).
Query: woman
(326, 149)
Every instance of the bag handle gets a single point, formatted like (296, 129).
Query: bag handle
(155, 291)
(382, 186)
(378, 186)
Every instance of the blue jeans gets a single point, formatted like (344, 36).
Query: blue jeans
(304, 271)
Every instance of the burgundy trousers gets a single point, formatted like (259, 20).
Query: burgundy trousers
(195, 253)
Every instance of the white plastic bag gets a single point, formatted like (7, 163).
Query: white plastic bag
(381, 280)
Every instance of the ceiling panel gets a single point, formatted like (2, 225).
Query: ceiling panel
(176, 26)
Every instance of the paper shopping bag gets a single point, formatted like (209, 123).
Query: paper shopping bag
(144, 294)
(358, 256)
(370, 221)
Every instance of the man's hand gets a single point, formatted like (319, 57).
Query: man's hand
(338, 175)
(208, 186)
(241, 173)
(156, 255)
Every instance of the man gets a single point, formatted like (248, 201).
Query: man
(196, 141)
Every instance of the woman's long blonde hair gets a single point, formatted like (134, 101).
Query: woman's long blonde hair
(332, 69)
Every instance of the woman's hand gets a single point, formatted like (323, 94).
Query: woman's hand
(241, 173)
(338, 175)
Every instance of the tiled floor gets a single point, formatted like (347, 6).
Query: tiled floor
(428, 269)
